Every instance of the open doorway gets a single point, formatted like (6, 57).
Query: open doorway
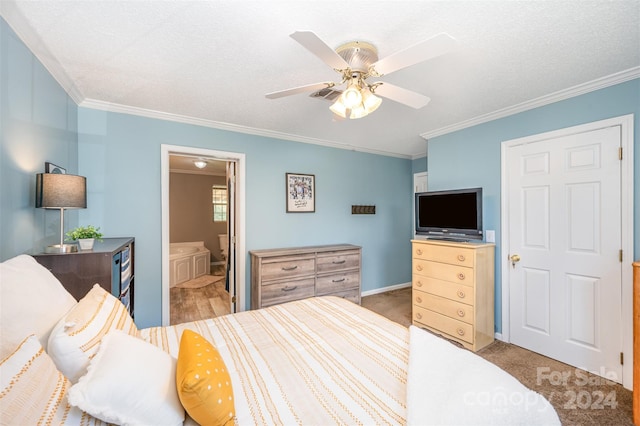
(202, 233)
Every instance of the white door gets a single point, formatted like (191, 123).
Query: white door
(419, 185)
(565, 227)
(420, 182)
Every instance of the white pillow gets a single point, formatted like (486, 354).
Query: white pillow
(76, 337)
(447, 385)
(33, 392)
(32, 301)
(129, 381)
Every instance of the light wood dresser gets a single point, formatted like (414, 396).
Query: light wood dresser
(453, 290)
(636, 343)
(287, 274)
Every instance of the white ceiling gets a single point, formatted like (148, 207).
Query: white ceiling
(211, 62)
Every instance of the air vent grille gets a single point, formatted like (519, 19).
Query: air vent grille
(327, 93)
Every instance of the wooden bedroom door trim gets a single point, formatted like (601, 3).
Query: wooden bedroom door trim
(625, 126)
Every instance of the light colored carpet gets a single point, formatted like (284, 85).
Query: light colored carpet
(201, 281)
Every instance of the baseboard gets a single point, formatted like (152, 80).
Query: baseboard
(385, 289)
(498, 336)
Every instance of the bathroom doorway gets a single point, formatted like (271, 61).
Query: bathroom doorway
(203, 229)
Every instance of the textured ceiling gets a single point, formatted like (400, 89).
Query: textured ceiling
(211, 62)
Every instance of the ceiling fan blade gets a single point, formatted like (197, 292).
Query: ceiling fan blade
(299, 89)
(435, 46)
(315, 45)
(403, 96)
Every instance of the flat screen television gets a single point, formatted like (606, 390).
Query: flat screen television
(452, 215)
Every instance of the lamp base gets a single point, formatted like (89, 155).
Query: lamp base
(61, 248)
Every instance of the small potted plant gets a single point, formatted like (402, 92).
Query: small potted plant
(86, 236)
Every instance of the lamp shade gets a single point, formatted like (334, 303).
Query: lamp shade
(61, 191)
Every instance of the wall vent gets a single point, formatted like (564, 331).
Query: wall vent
(327, 93)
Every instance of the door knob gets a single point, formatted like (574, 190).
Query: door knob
(514, 259)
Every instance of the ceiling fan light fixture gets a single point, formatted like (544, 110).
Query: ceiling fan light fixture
(352, 96)
(338, 108)
(370, 101)
(358, 111)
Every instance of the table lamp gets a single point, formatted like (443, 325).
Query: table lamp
(61, 191)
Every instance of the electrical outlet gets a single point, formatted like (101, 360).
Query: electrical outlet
(491, 236)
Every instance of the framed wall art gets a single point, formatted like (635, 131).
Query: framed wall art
(52, 168)
(301, 193)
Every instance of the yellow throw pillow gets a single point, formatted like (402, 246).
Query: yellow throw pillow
(203, 382)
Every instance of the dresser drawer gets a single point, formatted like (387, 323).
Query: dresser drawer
(275, 293)
(450, 326)
(449, 290)
(443, 271)
(444, 254)
(334, 283)
(338, 261)
(351, 295)
(444, 306)
(287, 267)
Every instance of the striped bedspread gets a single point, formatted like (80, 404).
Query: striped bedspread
(314, 362)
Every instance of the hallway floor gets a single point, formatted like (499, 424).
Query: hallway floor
(191, 304)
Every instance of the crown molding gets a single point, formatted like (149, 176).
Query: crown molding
(580, 89)
(125, 109)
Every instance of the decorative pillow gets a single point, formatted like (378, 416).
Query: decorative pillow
(203, 381)
(129, 381)
(33, 392)
(76, 337)
(32, 301)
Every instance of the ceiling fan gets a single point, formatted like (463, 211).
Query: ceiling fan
(357, 62)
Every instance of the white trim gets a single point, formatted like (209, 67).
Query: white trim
(626, 124)
(498, 336)
(113, 107)
(165, 151)
(581, 89)
(385, 289)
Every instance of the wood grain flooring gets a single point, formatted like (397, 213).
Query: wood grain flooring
(191, 304)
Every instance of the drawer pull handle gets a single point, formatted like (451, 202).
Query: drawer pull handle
(338, 281)
(338, 262)
(460, 313)
(461, 257)
(418, 283)
(461, 276)
(461, 294)
(419, 267)
(460, 332)
(419, 299)
(419, 315)
(419, 251)
(287, 288)
(290, 268)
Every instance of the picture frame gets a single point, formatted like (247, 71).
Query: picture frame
(52, 168)
(300, 193)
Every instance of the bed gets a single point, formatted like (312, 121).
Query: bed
(316, 361)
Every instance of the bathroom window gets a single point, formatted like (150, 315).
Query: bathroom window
(219, 197)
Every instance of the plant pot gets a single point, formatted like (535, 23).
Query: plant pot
(86, 243)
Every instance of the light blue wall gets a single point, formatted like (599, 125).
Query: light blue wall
(419, 165)
(38, 123)
(120, 156)
(471, 157)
